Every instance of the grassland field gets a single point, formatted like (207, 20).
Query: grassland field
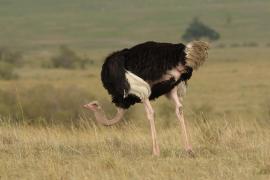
(96, 25)
(45, 134)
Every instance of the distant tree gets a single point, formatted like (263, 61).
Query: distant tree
(8, 61)
(69, 59)
(198, 30)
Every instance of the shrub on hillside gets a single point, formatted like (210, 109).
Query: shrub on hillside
(235, 45)
(221, 45)
(8, 61)
(55, 105)
(198, 30)
(69, 59)
(7, 71)
(10, 57)
(8, 105)
(44, 104)
(250, 44)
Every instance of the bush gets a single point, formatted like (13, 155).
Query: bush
(221, 45)
(7, 71)
(44, 104)
(9, 60)
(10, 57)
(197, 30)
(250, 44)
(8, 103)
(235, 45)
(69, 59)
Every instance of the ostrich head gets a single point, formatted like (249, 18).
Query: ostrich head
(100, 115)
(93, 106)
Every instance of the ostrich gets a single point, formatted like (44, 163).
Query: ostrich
(145, 72)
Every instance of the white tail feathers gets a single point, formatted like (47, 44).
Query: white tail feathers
(196, 53)
(138, 86)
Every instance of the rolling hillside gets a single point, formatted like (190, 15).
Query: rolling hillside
(99, 24)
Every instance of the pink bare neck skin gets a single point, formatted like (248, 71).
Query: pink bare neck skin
(101, 116)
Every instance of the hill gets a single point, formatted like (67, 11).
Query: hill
(100, 24)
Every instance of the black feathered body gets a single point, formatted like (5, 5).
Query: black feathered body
(149, 61)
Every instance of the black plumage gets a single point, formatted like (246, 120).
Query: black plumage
(149, 61)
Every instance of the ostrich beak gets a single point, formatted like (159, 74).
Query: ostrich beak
(88, 106)
(92, 106)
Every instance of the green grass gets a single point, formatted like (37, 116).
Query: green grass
(33, 25)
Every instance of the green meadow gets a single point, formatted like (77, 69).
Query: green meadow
(101, 25)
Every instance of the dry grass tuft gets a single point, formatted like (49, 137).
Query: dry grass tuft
(234, 149)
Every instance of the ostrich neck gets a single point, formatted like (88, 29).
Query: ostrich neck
(102, 118)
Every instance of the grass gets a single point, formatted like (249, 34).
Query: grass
(233, 81)
(45, 134)
(225, 149)
(35, 26)
(227, 110)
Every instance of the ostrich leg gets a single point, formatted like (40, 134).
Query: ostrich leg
(180, 116)
(151, 117)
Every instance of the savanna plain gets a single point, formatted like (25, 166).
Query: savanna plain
(46, 134)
